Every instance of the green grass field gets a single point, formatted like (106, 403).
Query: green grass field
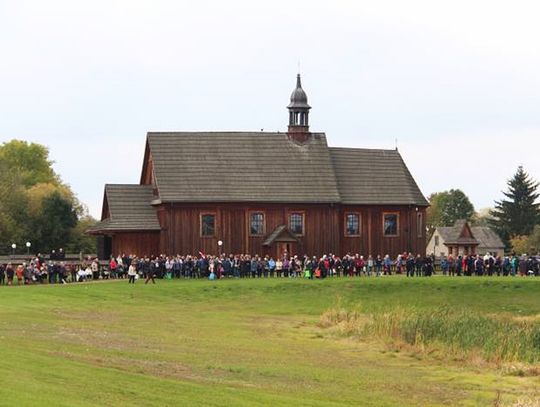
(279, 342)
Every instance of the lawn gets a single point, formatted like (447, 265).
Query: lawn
(264, 342)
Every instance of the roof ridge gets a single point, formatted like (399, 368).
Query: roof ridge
(362, 149)
(127, 185)
(224, 132)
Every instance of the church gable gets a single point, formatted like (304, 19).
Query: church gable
(466, 232)
(147, 174)
(460, 233)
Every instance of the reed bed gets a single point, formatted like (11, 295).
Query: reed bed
(496, 338)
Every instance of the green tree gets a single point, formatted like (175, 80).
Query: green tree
(520, 244)
(80, 241)
(36, 206)
(30, 160)
(13, 208)
(517, 215)
(54, 224)
(534, 240)
(448, 206)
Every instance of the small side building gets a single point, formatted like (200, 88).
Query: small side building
(462, 239)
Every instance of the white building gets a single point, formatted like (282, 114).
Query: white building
(462, 239)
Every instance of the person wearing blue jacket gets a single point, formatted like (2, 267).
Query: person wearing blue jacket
(272, 266)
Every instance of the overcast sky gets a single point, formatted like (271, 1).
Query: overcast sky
(456, 83)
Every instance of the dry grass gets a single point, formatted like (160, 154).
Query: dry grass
(526, 402)
(464, 336)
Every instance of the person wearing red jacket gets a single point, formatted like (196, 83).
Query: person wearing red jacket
(113, 266)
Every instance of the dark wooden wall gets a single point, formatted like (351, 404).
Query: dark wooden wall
(411, 236)
(324, 229)
(139, 243)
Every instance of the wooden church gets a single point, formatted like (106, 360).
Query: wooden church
(263, 193)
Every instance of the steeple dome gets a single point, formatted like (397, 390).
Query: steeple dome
(298, 96)
(299, 113)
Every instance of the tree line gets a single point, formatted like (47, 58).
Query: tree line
(36, 206)
(515, 218)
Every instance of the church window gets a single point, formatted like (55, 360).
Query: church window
(208, 224)
(390, 224)
(256, 224)
(420, 224)
(352, 224)
(296, 223)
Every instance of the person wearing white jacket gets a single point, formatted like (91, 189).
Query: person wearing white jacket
(132, 272)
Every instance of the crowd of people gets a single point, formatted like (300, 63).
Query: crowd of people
(490, 265)
(57, 270)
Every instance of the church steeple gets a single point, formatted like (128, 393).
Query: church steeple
(299, 113)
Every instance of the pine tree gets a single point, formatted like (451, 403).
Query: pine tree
(519, 214)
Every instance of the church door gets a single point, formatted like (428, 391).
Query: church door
(283, 248)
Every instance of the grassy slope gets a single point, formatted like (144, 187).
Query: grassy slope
(237, 343)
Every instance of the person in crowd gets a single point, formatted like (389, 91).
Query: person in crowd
(62, 273)
(387, 264)
(358, 265)
(397, 264)
(95, 269)
(471, 264)
(419, 265)
(20, 273)
(478, 266)
(378, 265)
(10, 273)
(88, 273)
(28, 272)
(445, 266)
(113, 266)
(2, 274)
(286, 266)
(409, 265)
(428, 266)
(271, 266)
(254, 264)
(132, 273)
(152, 273)
(323, 266)
(498, 265)
(81, 275)
(337, 267)
(169, 263)
(459, 265)
(451, 265)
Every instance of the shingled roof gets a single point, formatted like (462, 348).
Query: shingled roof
(242, 167)
(454, 234)
(374, 177)
(280, 234)
(487, 237)
(129, 209)
(257, 167)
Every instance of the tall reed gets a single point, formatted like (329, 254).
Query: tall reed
(495, 338)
